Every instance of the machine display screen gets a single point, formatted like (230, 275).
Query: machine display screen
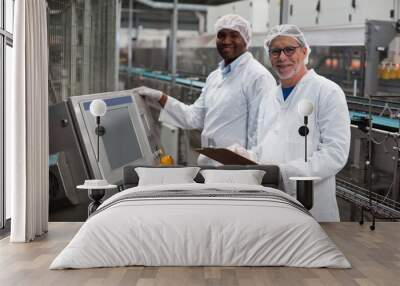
(129, 137)
(120, 141)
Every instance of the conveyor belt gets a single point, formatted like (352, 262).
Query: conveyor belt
(379, 122)
(376, 103)
(359, 196)
(163, 77)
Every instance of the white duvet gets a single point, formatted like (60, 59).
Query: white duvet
(200, 231)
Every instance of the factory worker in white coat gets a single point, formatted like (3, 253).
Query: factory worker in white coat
(279, 120)
(227, 108)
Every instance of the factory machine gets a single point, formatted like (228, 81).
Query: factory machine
(129, 137)
(364, 60)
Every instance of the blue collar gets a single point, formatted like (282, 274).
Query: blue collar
(286, 91)
(225, 70)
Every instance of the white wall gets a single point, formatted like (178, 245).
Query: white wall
(274, 13)
(262, 14)
(339, 12)
(150, 38)
(241, 8)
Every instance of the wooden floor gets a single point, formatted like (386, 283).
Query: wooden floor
(374, 255)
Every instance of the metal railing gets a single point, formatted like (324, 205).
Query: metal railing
(363, 198)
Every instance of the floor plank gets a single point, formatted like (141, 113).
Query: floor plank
(374, 255)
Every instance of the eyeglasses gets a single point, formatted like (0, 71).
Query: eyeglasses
(288, 51)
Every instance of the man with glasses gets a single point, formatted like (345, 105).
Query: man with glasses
(227, 108)
(279, 121)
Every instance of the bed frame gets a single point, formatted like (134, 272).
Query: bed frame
(270, 179)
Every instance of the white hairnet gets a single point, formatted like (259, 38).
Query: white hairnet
(235, 23)
(289, 31)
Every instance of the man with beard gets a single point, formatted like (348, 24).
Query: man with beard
(227, 108)
(279, 121)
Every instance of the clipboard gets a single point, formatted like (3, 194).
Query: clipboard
(225, 156)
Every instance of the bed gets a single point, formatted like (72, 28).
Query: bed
(201, 224)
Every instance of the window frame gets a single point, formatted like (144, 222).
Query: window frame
(6, 39)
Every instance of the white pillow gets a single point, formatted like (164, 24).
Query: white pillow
(164, 176)
(248, 177)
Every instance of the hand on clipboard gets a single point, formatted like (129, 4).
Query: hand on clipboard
(225, 156)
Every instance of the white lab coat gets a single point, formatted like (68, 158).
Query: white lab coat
(328, 140)
(227, 108)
